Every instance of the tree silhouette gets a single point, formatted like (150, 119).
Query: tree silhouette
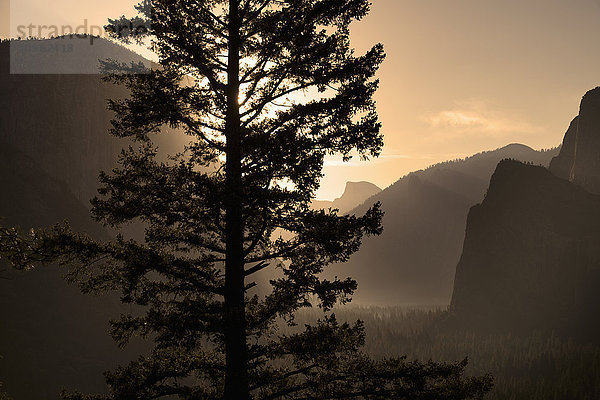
(236, 203)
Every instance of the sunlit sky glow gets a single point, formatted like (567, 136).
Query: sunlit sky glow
(461, 76)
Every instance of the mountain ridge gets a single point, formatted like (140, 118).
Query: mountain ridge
(414, 260)
(53, 143)
(528, 247)
(531, 254)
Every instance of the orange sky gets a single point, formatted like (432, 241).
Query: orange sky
(461, 76)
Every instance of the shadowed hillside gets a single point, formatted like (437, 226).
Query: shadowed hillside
(414, 260)
(531, 257)
(32, 198)
(53, 143)
(69, 55)
(61, 120)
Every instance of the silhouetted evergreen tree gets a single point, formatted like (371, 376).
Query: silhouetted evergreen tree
(236, 203)
(3, 394)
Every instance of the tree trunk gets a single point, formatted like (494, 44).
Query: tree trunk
(236, 374)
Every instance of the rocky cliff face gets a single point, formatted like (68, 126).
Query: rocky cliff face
(414, 260)
(579, 159)
(562, 165)
(586, 166)
(531, 256)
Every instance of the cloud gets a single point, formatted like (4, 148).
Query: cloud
(458, 118)
(477, 118)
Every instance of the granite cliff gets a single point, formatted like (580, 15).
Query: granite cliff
(531, 254)
(562, 165)
(414, 260)
(579, 159)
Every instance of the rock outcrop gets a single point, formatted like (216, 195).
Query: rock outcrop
(579, 158)
(414, 260)
(531, 255)
(562, 165)
(586, 166)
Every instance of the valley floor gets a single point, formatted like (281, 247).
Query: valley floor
(534, 367)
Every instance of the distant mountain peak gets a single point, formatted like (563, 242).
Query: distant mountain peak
(592, 95)
(530, 255)
(516, 146)
(355, 194)
(359, 188)
(414, 260)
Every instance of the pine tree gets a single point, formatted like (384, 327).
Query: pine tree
(3, 394)
(236, 204)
